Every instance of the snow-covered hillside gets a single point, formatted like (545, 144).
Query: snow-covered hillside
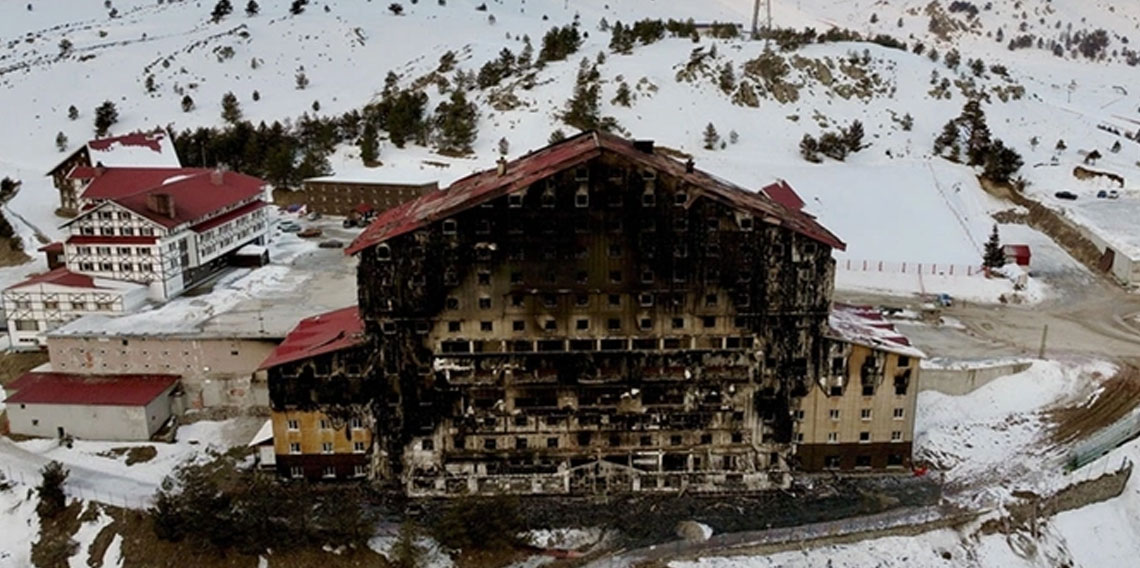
(890, 202)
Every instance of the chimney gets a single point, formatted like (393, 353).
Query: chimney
(689, 164)
(643, 146)
(502, 166)
(99, 169)
(216, 176)
(161, 203)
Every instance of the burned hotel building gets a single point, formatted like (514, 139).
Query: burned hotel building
(595, 316)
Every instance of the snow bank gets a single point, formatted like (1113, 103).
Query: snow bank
(85, 536)
(19, 525)
(434, 557)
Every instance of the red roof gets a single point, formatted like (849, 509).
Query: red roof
(150, 140)
(52, 247)
(103, 390)
(196, 197)
(110, 240)
(1018, 250)
(521, 173)
(319, 334)
(110, 183)
(865, 325)
(223, 219)
(61, 277)
(782, 193)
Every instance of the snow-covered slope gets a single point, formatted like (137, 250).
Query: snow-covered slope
(890, 202)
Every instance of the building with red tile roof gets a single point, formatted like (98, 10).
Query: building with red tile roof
(49, 300)
(152, 150)
(96, 407)
(165, 227)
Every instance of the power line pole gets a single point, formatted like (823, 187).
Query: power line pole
(755, 19)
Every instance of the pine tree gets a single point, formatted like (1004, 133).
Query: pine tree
(301, 79)
(256, 96)
(251, 8)
(623, 95)
(50, 491)
(711, 138)
(106, 115)
(231, 109)
(187, 103)
(61, 141)
(557, 136)
(583, 110)
(369, 144)
(727, 78)
(993, 256)
(504, 146)
(297, 7)
(978, 133)
(853, 136)
(72, 112)
(457, 123)
(222, 9)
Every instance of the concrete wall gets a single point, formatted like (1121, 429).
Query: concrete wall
(215, 371)
(957, 382)
(116, 423)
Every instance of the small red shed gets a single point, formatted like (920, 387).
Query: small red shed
(1016, 254)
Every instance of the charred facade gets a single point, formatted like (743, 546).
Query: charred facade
(593, 317)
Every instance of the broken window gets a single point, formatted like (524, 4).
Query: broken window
(615, 276)
(520, 443)
(831, 462)
(484, 303)
(615, 440)
(582, 300)
(582, 277)
(518, 300)
(582, 198)
(550, 300)
(678, 323)
(489, 444)
(515, 200)
(706, 439)
(645, 441)
(675, 440)
(427, 444)
(737, 437)
(383, 252)
(902, 382)
(550, 325)
(484, 277)
(904, 361)
(516, 278)
(680, 198)
(645, 300)
(552, 442)
(450, 226)
(708, 321)
(613, 324)
(894, 460)
(486, 326)
(582, 324)
(453, 326)
(864, 437)
(518, 325)
(648, 198)
(614, 299)
(862, 461)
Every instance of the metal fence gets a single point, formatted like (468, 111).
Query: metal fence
(887, 267)
(1103, 441)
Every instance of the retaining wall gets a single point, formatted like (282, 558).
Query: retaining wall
(957, 382)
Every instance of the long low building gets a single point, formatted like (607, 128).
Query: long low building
(340, 195)
(47, 301)
(94, 407)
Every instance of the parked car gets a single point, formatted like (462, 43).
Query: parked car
(331, 244)
(1113, 194)
(309, 233)
(289, 226)
(945, 300)
(313, 216)
(1065, 195)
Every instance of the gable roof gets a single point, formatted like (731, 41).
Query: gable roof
(63, 277)
(139, 149)
(317, 335)
(864, 325)
(484, 186)
(101, 390)
(195, 194)
(113, 182)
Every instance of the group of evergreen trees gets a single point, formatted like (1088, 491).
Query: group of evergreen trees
(583, 110)
(834, 145)
(223, 510)
(967, 139)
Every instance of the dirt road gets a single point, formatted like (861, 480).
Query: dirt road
(1087, 317)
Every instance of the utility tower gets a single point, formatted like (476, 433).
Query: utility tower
(756, 17)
